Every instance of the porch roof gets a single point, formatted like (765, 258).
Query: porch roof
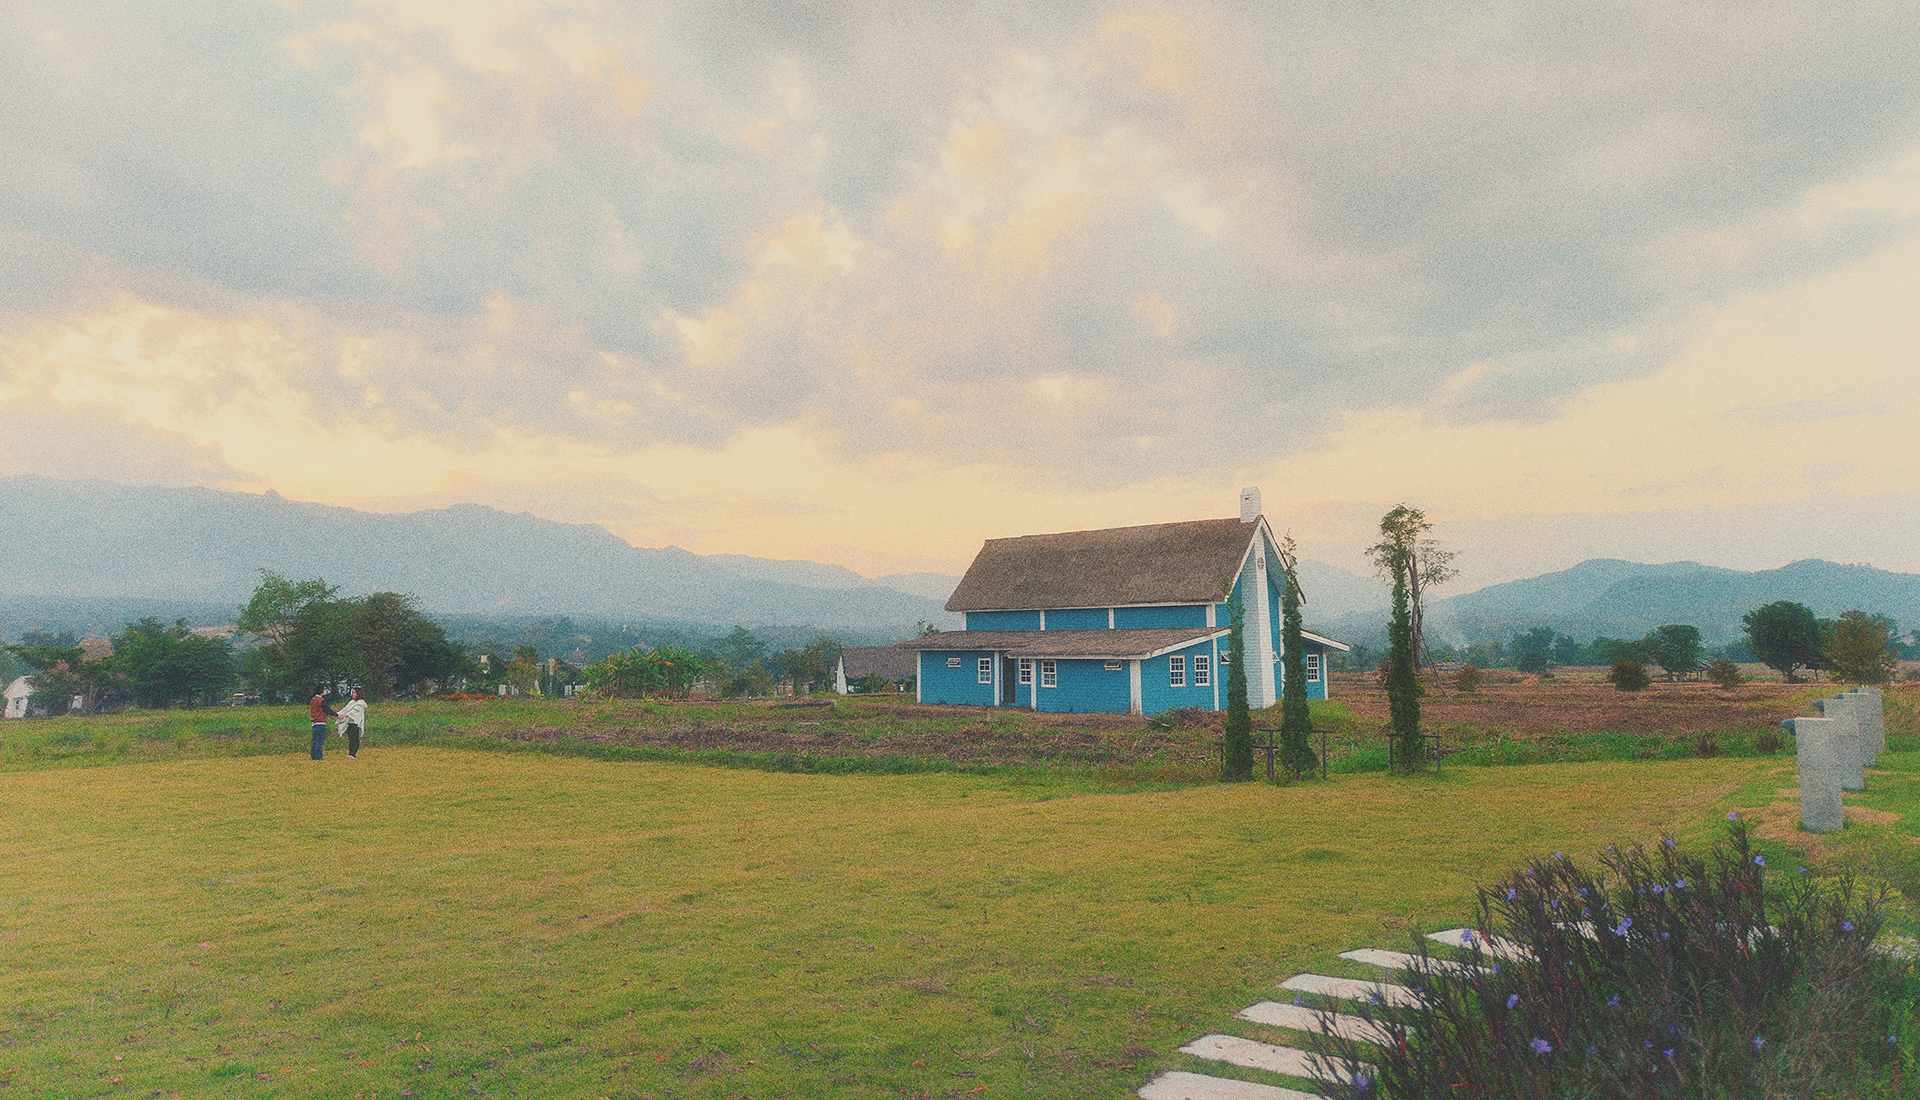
(1106, 644)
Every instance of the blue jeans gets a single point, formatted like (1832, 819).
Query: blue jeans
(319, 738)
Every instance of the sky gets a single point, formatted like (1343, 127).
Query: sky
(872, 283)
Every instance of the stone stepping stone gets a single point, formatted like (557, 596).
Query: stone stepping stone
(1352, 989)
(1180, 1085)
(1490, 945)
(1310, 1020)
(1400, 960)
(1256, 1055)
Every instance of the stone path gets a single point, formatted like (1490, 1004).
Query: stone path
(1291, 1061)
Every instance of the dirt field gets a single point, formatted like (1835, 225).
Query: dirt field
(1580, 701)
(1522, 709)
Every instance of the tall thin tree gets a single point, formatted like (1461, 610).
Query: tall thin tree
(1236, 756)
(1405, 538)
(1296, 719)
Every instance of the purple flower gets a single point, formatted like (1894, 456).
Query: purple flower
(1541, 1046)
(1591, 1051)
(1846, 926)
(1659, 889)
(1668, 1052)
(1621, 928)
(1559, 855)
(1513, 999)
(1496, 968)
(1648, 1043)
(1614, 1002)
(1759, 861)
(1758, 1042)
(1466, 936)
(1510, 893)
(1297, 999)
(1360, 1082)
(1733, 815)
(1679, 884)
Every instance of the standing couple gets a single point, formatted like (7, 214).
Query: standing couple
(353, 719)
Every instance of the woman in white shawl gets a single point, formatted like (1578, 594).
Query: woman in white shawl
(353, 718)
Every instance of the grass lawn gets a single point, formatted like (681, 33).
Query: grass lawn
(428, 921)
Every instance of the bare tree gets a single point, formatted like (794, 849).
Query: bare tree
(1407, 551)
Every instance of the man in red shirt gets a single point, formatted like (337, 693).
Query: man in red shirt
(319, 712)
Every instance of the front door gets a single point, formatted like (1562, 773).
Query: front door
(1009, 682)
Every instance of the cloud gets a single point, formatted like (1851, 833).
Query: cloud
(722, 271)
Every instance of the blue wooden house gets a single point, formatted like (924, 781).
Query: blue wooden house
(1132, 620)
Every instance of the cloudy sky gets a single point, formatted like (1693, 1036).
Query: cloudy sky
(869, 283)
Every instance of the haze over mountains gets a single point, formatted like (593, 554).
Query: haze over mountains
(111, 552)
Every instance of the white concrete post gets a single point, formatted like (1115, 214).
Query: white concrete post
(1847, 739)
(1873, 720)
(1819, 755)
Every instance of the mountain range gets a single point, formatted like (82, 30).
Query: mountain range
(96, 552)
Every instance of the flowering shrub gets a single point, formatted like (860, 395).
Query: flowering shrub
(1662, 975)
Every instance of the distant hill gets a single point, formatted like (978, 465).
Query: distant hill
(84, 542)
(1623, 599)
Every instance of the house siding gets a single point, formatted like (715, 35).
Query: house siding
(1138, 618)
(1157, 695)
(1006, 620)
(1077, 618)
(1086, 687)
(940, 684)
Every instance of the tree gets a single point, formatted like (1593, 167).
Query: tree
(313, 638)
(1675, 648)
(1628, 674)
(740, 649)
(1397, 555)
(399, 648)
(1236, 752)
(1725, 673)
(167, 665)
(1862, 650)
(1533, 650)
(1784, 636)
(1296, 718)
(811, 667)
(56, 663)
(1405, 550)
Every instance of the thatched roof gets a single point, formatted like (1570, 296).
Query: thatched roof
(1162, 563)
(1110, 644)
(885, 661)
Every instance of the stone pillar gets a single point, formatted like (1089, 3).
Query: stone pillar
(1846, 739)
(1820, 810)
(1873, 720)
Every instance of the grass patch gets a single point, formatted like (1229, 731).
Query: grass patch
(438, 921)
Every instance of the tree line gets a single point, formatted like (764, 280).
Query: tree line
(298, 636)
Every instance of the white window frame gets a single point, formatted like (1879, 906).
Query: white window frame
(1049, 674)
(1313, 667)
(1202, 671)
(1026, 670)
(1176, 671)
(986, 670)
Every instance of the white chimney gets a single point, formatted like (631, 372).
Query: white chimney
(1249, 504)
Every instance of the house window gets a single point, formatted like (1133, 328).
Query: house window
(1026, 670)
(1176, 672)
(953, 662)
(986, 670)
(1223, 659)
(1049, 674)
(1113, 666)
(1313, 667)
(1202, 671)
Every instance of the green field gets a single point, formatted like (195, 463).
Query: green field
(431, 921)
